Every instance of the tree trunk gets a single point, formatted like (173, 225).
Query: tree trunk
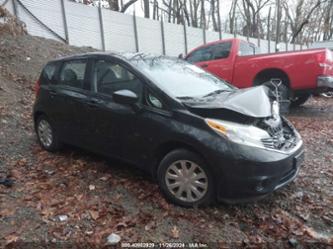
(146, 8)
(155, 10)
(203, 14)
(114, 5)
(278, 23)
(187, 15)
(218, 16)
(213, 14)
(299, 28)
(232, 16)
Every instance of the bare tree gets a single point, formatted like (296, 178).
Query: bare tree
(114, 5)
(303, 12)
(278, 23)
(232, 16)
(156, 15)
(294, 20)
(146, 8)
(328, 22)
(251, 12)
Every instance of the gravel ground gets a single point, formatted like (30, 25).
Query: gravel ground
(78, 198)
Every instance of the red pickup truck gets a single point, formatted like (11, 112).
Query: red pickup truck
(302, 72)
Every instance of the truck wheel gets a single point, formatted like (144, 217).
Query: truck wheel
(185, 179)
(299, 100)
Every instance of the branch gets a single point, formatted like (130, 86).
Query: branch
(127, 5)
(306, 20)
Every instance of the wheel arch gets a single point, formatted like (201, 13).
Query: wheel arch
(269, 73)
(37, 114)
(166, 147)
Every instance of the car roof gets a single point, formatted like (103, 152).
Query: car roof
(123, 56)
(83, 55)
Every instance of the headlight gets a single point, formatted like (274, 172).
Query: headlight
(239, 133)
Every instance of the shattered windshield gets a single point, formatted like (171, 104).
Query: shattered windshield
(179, 78)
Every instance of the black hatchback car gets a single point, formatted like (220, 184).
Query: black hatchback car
(200, 138)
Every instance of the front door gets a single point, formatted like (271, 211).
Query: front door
(113, 123)
(221, 63)
(216, 59)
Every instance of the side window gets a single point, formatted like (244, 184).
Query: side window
(246, 48)
(213, 52)
(72, 73)
(221, 50)
(202, 54)
(48, 73)
(110, 77)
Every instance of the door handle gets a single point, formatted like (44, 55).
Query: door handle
(204, 65)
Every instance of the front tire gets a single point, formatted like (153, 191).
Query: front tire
(185, 179)
(46, 134)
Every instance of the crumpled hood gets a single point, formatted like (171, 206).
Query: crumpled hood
(252, 102)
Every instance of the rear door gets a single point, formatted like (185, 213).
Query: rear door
(45, 101)
(70, 93)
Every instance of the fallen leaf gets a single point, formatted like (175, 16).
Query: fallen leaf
(94, 214)
(175, 232)
(7, 212)
(11, 239)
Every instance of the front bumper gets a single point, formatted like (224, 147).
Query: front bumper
(325, 82)
(258, 172)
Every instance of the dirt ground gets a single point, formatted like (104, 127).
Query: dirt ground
(76, 199)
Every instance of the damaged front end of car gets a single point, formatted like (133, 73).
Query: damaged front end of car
(266, 147)
(250, 116)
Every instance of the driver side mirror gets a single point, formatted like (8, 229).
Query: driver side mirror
(125, 97)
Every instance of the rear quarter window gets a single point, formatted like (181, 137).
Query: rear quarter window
(72, 73)
(48, 73)
(246, 49)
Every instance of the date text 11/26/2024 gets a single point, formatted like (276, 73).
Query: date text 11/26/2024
(163, 245)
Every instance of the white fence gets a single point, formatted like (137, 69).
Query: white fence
(103, 29)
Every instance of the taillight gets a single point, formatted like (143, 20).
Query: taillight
(37, 87)
(329, 55)
(325, 56)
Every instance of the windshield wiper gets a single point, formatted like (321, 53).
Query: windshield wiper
(215, 93)
(185, 98)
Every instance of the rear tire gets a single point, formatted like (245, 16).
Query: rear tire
(46, 134)
(185, 179)
(299, 100)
